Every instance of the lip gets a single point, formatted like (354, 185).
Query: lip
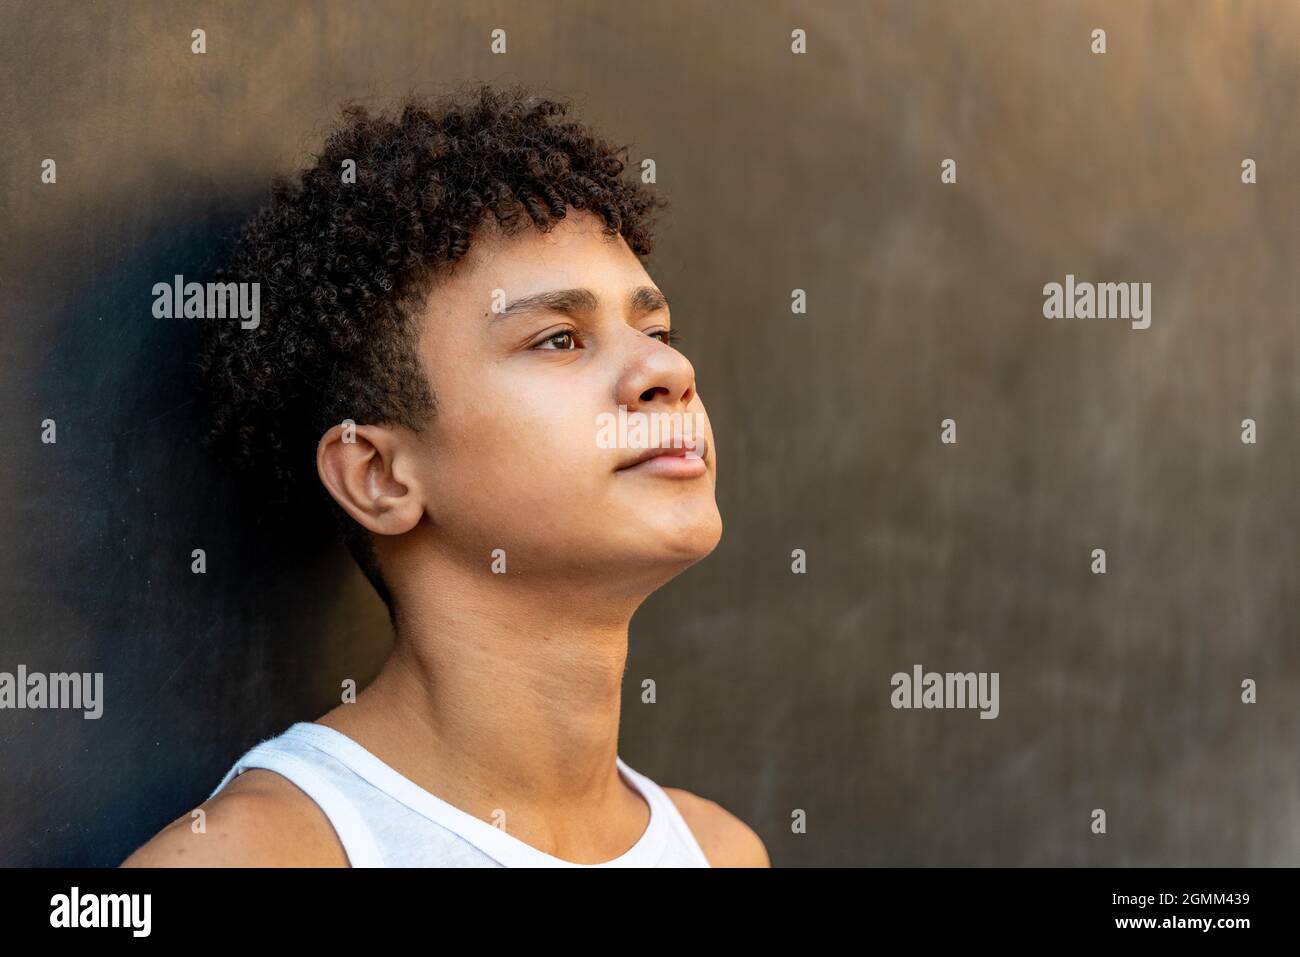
(671, 461)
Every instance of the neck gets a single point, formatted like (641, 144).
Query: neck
(503, 693)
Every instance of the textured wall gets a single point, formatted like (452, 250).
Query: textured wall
(820, 172)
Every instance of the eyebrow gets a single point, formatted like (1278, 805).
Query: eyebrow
(641, 300)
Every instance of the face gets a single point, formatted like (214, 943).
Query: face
(531, 345)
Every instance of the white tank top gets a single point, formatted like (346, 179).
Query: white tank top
(386, 820)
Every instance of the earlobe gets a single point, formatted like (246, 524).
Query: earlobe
(358, 466)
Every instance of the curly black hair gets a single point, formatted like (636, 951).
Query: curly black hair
(344, 268)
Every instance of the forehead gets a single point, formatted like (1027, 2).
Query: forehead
(574, 253)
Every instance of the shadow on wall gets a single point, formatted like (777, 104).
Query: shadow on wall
(196, 665)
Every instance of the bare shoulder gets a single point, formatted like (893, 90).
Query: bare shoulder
(726, 840)
(260, 819)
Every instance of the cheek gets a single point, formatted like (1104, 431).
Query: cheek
(540, 436)
(525, 453)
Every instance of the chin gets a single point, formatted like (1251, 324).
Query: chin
(658, 552)
(685, 538)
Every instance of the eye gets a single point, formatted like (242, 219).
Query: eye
(565, 337)
(670, 336)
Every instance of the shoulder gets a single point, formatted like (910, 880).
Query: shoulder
(726, 840)
(260, 819)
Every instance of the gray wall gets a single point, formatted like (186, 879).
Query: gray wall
(819, 172)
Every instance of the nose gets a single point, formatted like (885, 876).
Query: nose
(656, 374)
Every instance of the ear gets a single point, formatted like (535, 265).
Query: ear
(368, 470)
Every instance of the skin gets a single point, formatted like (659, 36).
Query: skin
(503, 690)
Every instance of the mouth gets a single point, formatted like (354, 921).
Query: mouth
(680, 461)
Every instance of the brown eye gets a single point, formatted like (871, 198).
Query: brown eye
(669, 336)
(565, 337)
